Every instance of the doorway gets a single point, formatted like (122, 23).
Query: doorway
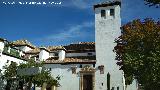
(87, 78)
(87, 82)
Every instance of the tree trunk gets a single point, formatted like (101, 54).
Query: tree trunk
(44, 86)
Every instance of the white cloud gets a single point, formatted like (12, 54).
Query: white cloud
(72, 32)
(80, 4)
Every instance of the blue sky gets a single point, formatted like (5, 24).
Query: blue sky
(71, 21)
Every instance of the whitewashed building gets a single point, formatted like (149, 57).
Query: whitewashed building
(83, 65)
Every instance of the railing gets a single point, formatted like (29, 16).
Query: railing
(11, 51)
(14, 52)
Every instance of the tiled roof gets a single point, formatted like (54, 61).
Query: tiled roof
(2, 39)
(80, 59)
(84, 57)
(82, 46)
(34, 51)
(55, 48)
(22, 43)
(72, 47)
(109, 3)
(53, 58)
(44, 48)
(77, 60)
(89, 43)
(49, 49)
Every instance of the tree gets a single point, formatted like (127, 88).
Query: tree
(10, 74)
(153, 3)
(138, 52)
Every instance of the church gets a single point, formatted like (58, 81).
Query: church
(83, 65)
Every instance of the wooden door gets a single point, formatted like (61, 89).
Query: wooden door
(87, 82)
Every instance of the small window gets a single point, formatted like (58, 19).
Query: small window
(117, 88)
(102, 84)
(89, 54)
(94, 65)
(112, 88)
(50, 69)
(111, 12)
(103, 13)
(7, 61)
(56, 54)
(80, 66)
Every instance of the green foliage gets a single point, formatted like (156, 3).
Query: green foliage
(5, 50)
(30, 63)
(138, 52)
(10, 71)
(153, 3)
(45, 76)
(39, 79)
(14, 52)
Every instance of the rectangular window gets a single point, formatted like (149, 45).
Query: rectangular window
(117, 88)
(112, 88)
(94, 65)
(111, 12)
(56, 54)
(50, 69)
(103, 13)
(89, 54)
(80, 66)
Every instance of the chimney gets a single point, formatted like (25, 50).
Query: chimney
(2, 45)
(61, 55)
(44, 54)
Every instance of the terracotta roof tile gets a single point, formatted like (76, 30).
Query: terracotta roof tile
(49, 49)
(2, 39)
(55, 48)
(22, 43)
(80, 59)
(109, 3)
(54, 61)
(53, 58)
(89, 43)
(34, 51)
(81, 46)
(77, 60)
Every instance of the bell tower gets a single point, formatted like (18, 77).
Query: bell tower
(107, 28)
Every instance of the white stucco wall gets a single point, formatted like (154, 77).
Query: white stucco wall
(68, 80)
(5, 58)
(1, 46)
(24, 48)
(79, 54)
(51, 54)
(43, 55)
(107, 29)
